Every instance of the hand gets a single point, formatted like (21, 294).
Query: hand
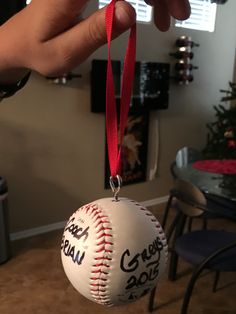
(164, 9)
(46, 36)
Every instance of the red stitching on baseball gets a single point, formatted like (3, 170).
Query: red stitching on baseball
(98, 278)
(97, 290)
(99, 271)
(104, 296)
(103, 216)
(103, 249)
(104, 235)
(98, 285)
(103, 228)
(104, 242)
(89, 207)
(158, 226)
(100, 221)
(101, 264)
(103, 258)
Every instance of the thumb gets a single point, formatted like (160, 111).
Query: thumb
(76, 44)
(124, 18)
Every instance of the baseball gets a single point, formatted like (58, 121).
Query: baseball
(113, 252)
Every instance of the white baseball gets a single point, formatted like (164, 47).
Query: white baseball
(113, 252)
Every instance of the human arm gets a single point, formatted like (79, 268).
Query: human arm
(47, 38)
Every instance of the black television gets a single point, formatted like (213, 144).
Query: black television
(151, 85)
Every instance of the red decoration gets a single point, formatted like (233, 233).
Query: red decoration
(231, 144)
(224, 166)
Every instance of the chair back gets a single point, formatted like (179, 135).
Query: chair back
(189, 199)
(187, 155)
(172, 170)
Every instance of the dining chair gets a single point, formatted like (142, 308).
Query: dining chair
(187, 155)
(184, 156)
(210, 249)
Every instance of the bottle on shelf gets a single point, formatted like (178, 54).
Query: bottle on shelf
(182, 54)
(185, 41)
(184, 78)
(185, 66)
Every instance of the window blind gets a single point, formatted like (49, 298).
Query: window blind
(143, 11)
(202, 17)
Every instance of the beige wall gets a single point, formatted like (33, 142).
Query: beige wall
(52, 146)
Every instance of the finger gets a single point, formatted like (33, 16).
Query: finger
(179, 9)
(75, 45)
(70, 7)
(161, 15)
(54, 17)
(150, 2)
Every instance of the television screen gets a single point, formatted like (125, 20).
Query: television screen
(150, 90)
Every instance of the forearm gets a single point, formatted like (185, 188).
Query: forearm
(51, 41)
(10, 71)
(13, 75)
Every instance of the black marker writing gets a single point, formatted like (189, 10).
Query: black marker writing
(77, 231)
(148, 258)
(70, 251)
(150, 274)
(130, 264)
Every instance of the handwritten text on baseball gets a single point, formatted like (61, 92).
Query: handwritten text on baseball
(150, 257)
(81, 234)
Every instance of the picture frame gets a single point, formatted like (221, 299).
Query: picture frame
(134, 150)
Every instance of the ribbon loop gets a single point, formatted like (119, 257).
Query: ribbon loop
(115, 184)
(114, 141)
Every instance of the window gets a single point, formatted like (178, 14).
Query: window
(202, 17)
(143, 11)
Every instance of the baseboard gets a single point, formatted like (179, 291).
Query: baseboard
(36, 231)
(155, 201)
(60, 225)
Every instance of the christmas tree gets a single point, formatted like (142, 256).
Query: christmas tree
(221, 137)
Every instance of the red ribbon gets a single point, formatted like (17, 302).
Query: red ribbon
(115, 138)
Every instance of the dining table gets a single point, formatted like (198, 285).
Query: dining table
(216, 179)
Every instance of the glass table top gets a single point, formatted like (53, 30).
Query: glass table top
(222, 185)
